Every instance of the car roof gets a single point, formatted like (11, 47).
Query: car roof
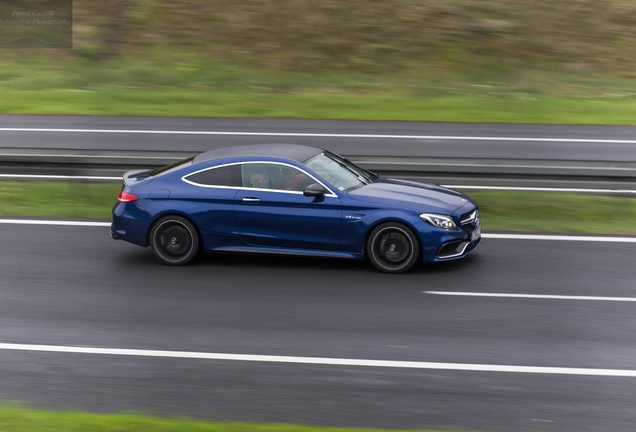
(295, 152)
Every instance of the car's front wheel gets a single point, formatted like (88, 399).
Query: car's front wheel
(174, 240)
(393, 248)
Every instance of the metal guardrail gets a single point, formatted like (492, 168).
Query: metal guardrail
(493, 171)
(524, 167)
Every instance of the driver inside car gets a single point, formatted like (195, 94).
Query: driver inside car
(291, 179)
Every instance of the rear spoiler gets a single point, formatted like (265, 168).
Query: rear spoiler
(132, 177)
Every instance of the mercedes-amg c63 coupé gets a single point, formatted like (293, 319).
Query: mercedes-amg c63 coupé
(291, 199)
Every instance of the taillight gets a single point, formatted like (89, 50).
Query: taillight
(125, 197)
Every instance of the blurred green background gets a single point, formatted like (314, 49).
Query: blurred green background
(559, 61)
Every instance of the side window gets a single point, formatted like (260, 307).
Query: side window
(274, 176)
(293, 179)
(223, 176)
(255, 175)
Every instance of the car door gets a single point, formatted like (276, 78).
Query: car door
(271, 211)
(208, 197)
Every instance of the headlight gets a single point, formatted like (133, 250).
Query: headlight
(439, 221)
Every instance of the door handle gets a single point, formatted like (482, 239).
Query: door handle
(251, 199)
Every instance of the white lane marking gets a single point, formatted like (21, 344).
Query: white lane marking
(320, 135)
(561, 238)
(530, 296)
(541, 189)
(54, 222)
(88, 156)
(323, 360)
(56, 177)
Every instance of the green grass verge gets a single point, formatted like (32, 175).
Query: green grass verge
(426, 60)
(184, 88)
(500, 211)
(556, 212)
(208, 103)
(57, 199)
(30, 420)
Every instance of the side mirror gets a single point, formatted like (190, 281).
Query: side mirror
(315, 190)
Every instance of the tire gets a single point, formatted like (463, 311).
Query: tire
(174, 240)
(393, 248)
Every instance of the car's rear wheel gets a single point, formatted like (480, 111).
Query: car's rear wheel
(393, 248)
(174, 240)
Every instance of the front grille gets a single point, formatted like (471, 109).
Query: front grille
(470, 218)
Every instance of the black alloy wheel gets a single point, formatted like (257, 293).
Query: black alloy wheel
(174, 240)
(393, 248)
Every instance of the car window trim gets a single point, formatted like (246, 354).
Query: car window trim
(329, 193)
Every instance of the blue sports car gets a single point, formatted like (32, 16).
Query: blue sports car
(291, 199)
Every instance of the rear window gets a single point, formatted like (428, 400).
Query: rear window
(223, 176)
(172, 167)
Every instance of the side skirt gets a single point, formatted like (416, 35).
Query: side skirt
(278, 251)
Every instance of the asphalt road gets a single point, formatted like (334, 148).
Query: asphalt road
(74, 286)
(549, 149)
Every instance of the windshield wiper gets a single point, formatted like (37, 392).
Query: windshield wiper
(358, 175)
(371, 176)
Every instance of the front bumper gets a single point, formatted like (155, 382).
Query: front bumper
(456, 249)
(445, 245)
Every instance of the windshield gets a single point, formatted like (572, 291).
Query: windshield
(340, 172)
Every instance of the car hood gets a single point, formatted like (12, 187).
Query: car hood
(418, 196)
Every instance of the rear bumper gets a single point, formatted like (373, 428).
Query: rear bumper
(125, 227)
